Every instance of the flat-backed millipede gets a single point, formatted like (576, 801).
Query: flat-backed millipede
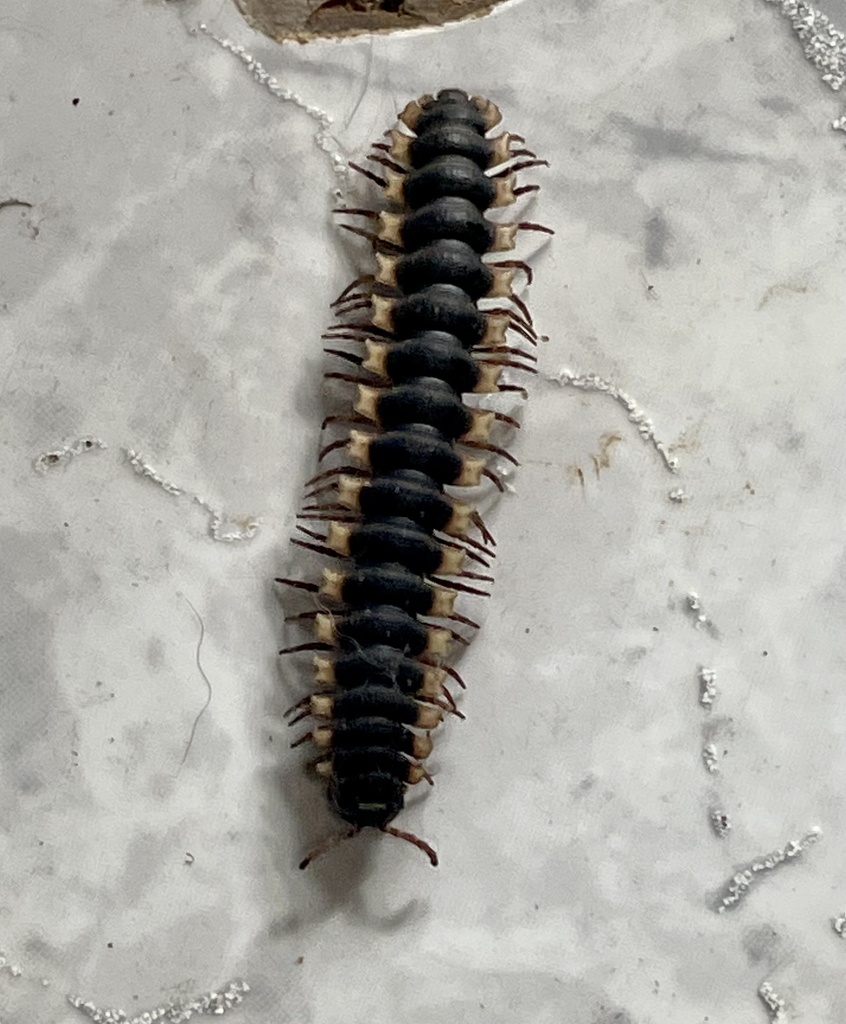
(423, 341)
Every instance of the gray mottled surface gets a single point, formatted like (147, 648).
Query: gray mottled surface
(165, 293)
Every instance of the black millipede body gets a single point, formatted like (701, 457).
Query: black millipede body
(442, 322)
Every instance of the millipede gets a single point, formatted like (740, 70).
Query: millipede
(435, 323)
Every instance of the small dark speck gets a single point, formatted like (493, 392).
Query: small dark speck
(40, 842)
(654, 629)
(731, 39)
(299, 960)
(764, 654)
(111, 113)
(528, 630)
(65, 524)
(189, 858)
(75, 101)
(110, 945)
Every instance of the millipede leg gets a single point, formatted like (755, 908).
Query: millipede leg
(509, 350)
(524, 309)
(462, 587)
(320, 490)
(343, 516)
(333, 446)
(329, 844)
(303, 702)
(409, 837)
(366, 328)
(489, 473)
(314, 645)
(390, 164)
(363, 279)
(329, 506)
(482, 446)
(320, 549)
(339, 418)
(334, 375)
(335, 471)
(354, 305)
(476, 516)
(314, 536)
(351, 357)
(371, 236)
(502, 418)
(312, 588)
(303, 616)
(517, 265)
(521, 165)
(528, 225)
(356, 211)
(381, 182)
(451, 538)
(464, 620)
(450, 671)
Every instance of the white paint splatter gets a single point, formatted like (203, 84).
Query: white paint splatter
(839, 924)
(143, 468)
(177, 1012)
(592, 382)
(323, 136)
(720, 822)
(678, 495)
(14, 969)
(773, 1002)
(68, 452)
(221, 527)
(825, 46)
(711, 759)
(738, 888)
(708, 691)
(693, 606)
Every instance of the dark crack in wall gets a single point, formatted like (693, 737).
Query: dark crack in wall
(310, 19)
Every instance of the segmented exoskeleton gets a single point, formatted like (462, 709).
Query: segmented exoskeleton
(436, 322)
